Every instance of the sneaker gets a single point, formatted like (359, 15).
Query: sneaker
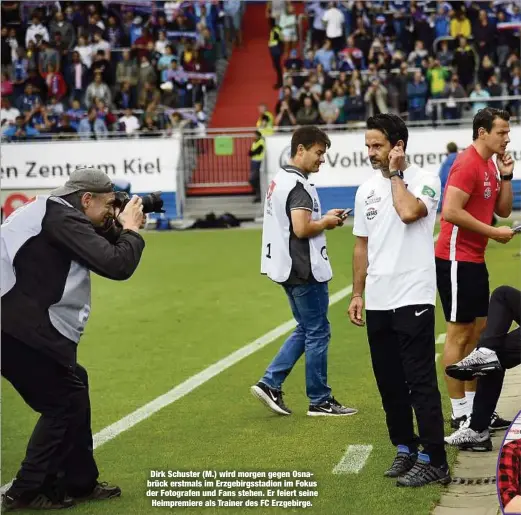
(497, 423)
(466, 439)
(330, 408)
(456, 423)
(423, 473)
(479, 362)
(39, 501)
(271, 398)
(403, 462)
(101, 492)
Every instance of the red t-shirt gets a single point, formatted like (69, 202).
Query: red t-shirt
(477, 177)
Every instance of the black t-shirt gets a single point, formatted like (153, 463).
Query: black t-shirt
(299, 198)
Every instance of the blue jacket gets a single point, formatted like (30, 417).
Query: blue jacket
(444, 173)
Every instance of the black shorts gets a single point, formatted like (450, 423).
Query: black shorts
(464, 290)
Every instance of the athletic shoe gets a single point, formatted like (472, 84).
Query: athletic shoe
(101, 492)
(497, 423)
(423, 473)
(466, 439)
(403, 462)
(39, 501)
(456, 423)
(330, 408)
(479, 362)
(271, 398)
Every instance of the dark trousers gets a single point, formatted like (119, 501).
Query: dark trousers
(254, 180)
(504, 308)
(402, 345)
(60, 450)
(276, 56)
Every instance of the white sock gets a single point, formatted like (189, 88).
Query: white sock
(459, 407)
(470, 401)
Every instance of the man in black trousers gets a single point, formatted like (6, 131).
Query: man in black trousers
(497, 351)
(49, 247)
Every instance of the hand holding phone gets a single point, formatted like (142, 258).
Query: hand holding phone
(517, 229)
(345, 213)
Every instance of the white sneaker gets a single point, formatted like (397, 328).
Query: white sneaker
(466, 439)
(479, 362)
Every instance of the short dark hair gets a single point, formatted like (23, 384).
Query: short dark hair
(307, 137)
(391, 125)
(452, 147)
(485, 118)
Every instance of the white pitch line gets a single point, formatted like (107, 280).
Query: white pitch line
(436, 357)
(441, 338)
(353, 460)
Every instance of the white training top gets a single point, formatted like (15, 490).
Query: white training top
(401, 269)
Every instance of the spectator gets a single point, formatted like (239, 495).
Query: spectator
(129, 122)
(64, 28)
(441, 23)
(453, 91)
(308, 113)
(328, 110)
(484, 34)
(265, 113)
(285, 116)
(101, 45)
(146, 74)
(36, 28)
(76, 113)
(48, 56)
(20, 131)
(275, 48)
(232, 11)
(460, 25)
(127, 71)
(150, 127)
(76, 77)
(20, 71)
(417, 97)
(149, 95)
(437, 76)
(514, 88)
(496, 90)
(6, 86)
(29, 99)
(85, 50)
(326, 56)
(140, 46)
(64, 130)
(289, 100)
(354, 105)
(8, 113)
(486, 70)
(6, 56)
(56, 86)
(376, 98)
(162, 44)
(124, 97)
(445, 56)
(334, 22)
(97, 89)
(288, 25)
(113, 34)
(92, 127)
(465, 63)
(417, 56)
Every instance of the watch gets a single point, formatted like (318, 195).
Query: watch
(396, 173)
(508, 177)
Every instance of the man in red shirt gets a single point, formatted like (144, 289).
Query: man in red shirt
(474, 192)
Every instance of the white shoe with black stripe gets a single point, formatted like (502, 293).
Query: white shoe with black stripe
(271, 398)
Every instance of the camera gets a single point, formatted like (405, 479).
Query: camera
(152, 203)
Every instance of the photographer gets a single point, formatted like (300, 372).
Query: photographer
(49, 247)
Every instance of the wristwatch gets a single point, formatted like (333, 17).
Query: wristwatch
(396, 173)
(507, 177)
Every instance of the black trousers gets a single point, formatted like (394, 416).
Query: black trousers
(402, 345)
(60, 451)
(504, 308)
(276, 56)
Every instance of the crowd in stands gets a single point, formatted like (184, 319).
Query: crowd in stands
(363, 58)
(90, 69)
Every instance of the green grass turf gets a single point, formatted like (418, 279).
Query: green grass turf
(197, 297)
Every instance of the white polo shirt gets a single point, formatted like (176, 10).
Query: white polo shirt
(401, 269)
(334, 19)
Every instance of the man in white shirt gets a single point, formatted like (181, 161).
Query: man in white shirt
(130, 122)
(395, 213)
(294, 254)
(334, 21)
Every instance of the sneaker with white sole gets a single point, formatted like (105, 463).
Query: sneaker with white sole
(479, 362)
(330, 408)
(271, 398)
(497, 423)
(466, 439)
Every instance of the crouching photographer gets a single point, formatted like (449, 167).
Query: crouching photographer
(49, 248)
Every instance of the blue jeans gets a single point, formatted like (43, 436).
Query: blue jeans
(309, 304)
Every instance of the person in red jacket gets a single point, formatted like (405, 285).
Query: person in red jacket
(476, 190)
(56, 86)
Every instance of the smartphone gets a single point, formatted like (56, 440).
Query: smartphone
(345, 213)
(517, 229)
